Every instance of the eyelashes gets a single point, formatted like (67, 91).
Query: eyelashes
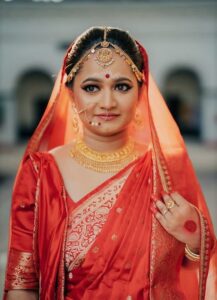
(93, 88)
(90, 88)
(123, 87)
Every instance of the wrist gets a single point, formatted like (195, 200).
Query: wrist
(192, 254)
(193, 249)
(194, 243)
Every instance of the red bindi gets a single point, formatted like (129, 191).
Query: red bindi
(107, 75)
(190, 226)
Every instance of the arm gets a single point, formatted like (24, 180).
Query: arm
(21, 275)
(21, 294)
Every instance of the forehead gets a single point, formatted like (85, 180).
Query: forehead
(118, 67)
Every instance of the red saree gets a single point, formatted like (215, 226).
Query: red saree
(116, 250)
(108, 245)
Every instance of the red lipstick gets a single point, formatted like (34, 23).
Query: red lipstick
(107, 117)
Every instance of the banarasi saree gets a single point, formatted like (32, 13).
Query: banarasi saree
(96, 248)
(108, 245)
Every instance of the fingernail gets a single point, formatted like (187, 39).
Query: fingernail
(158, 202)
(154, 197)
(153, 209)
(163, 194)
(157, 215)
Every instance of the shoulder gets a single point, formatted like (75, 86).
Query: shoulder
(142, 149)
(36, 160)
(61, 152)
(62, 148)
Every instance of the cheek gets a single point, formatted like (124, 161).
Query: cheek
(80, 97)
(128, 103)
(81, 100)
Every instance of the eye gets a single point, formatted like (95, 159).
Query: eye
(123, 87)
(90, 88)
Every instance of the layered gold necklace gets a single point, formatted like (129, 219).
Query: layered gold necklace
(104, 162)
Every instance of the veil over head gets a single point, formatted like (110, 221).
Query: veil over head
(157, 130)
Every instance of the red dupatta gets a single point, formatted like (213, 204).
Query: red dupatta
(156, 130)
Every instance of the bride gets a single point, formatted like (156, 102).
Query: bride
(106, 204)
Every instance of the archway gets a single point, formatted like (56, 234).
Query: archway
(182, 92)
(32, 94)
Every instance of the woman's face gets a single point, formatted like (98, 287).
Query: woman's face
(109, 96)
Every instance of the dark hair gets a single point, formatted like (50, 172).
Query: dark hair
(95, 35)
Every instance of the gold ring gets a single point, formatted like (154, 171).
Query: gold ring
(165, 211)
(170, 204)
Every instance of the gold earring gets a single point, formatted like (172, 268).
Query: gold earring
(137, 119)
(75, 120)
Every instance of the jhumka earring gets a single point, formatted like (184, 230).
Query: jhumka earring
(137, 119)
(75, 119)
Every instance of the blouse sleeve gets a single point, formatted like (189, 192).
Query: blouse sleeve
(21, 271)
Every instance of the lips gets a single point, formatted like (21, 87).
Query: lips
(107, 117)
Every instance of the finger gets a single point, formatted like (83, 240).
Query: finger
(154, 197)
(163, 209)
(166, 197)
(169, 201)
(178, 198)
(161, 220)
(153, 209)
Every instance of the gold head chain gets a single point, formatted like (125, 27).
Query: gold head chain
(104, 57)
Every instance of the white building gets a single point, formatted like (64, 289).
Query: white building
(180, 37)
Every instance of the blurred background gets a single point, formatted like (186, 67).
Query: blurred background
(180, 38)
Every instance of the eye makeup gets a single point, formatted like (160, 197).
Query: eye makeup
(93, 88)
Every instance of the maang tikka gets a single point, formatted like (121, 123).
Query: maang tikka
(104, 57)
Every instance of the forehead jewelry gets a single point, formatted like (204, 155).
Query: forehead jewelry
(104, 57)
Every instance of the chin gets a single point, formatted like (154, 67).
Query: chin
(109, 131)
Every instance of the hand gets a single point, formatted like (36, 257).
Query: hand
(179, 218)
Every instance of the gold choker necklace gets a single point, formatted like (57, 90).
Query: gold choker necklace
(104, 162)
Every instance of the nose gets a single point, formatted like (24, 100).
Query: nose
(108, 100)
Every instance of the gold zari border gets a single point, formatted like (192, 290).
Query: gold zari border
(21, 272)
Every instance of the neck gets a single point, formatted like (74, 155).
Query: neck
(105, 143)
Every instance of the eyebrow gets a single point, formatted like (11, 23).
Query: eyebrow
(99, 80)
